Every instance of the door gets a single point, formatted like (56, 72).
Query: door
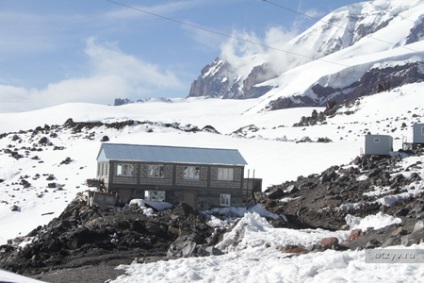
(190, 198)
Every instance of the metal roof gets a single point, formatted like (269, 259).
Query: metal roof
(169, 154)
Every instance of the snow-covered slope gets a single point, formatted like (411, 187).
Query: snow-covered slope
(354, 51)
(34, 151)
(44, 161)
(260, 259)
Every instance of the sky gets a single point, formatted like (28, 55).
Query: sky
(55, 52)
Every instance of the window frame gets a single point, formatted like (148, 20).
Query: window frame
(122, 170)
(156, 168)
(225, 200)
(225, 174)
(191, 173)
(154, 195)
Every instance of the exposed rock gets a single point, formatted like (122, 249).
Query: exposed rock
(418, 226)
(376, 79)
(209, 251)
(274, 193)
(15, 208)
(328, 243)
(84, 235)
(402, 212)
(355, 234)
(214, 81)
(415, 237)
(391, 241)
(104, 139)
(291, 189)
(324, 200)
(184, 246)
(399, 232)
(294, 249)
(373, 243)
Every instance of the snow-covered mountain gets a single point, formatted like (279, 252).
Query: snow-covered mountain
(47, 155)
(354, 51)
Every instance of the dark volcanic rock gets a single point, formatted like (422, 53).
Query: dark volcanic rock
(84, 235)
(373, 81)
(214, 81)
(324, 200)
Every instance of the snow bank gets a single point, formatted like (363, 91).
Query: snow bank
(270, 265)
(254, 231)
(6, 276)
(377, 221)
(147, 210)
(241, 211)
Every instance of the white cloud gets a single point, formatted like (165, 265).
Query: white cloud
(246, 50)
(112, 74)
(240, 46)
(313, 13)
(108, 60)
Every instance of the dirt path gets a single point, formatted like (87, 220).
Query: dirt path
(85, 274)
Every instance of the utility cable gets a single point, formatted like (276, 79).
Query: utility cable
(221, 34)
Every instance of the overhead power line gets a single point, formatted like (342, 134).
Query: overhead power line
(221, 34)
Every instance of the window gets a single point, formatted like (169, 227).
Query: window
(225, 200)
(155, 171)
(226, 174)
(154, 195)
(376, 140)
(192, 172)
(422, 130)
(126, 170)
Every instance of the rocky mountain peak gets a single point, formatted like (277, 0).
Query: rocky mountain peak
(346, 52)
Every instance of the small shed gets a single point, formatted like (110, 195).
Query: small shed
(418, 133)
(378, 144)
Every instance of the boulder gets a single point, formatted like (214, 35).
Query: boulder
(400, 231)
(355, 234)
(415, 237)
(183, 246)
(208, 251)
(373, 243)
(294, 249)
(418, 226)
(402, 212)
(328, 243)
(291, 189)
(329, 175)
(15, 208)
(391, 241)
(275, 193)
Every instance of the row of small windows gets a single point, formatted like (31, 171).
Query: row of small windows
(158, 171)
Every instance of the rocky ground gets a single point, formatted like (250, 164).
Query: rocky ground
(367, 186)
(85, 244)
(83, 237)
